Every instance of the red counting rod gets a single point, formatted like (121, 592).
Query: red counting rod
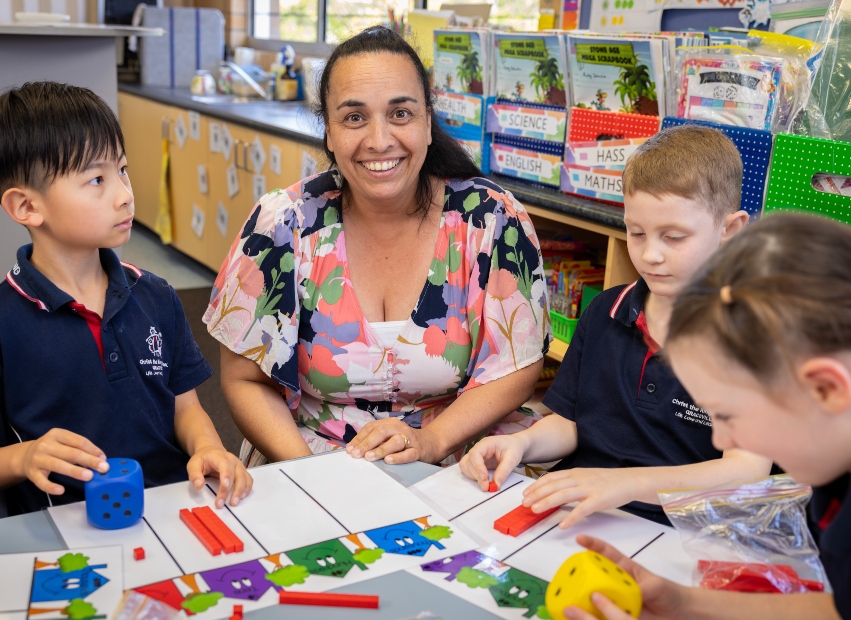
(230, 542)
(520, 519)
(323, 599)
(209, 541)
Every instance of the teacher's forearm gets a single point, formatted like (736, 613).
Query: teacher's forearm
(259, 410)
(478, 409)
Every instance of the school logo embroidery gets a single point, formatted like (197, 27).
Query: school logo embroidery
(16, 269)
(155, 342)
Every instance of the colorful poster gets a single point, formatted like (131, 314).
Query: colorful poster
(459, 62)
(530, 68)
(617, 74)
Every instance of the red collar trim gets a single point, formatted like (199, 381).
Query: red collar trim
(136, 271)
(641, 324)
(18, 288)
(614, 311)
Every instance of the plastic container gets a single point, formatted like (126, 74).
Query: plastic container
(563, 327)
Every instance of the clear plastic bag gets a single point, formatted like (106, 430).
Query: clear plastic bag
(826, 113)
(749, 538)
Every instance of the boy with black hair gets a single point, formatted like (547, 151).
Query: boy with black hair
(623, 424)
(96, 355)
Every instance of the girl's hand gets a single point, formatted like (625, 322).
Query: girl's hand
(62, 452)
(501, 453)
(230, 471)
(661, 598)
(385, 439)
(594, 489)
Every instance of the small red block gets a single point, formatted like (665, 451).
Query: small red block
(325, 599)
(237, 610)
(492, 488)
(138, 553)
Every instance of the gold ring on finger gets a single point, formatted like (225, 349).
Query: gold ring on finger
(407, 441)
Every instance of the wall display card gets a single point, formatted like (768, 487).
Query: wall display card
(530, 68)
(298, 532)
(598, 183)
(308, 165)
(618, 74)
(275, 159)
(180, 130)
(258, 185)
(541, 124)
(62, 585)
(508, 576)
(258, 155)
(227, 142)
(460, 61)
(611, 154)
(457, 109)
(203, 186)
(732, 91)
(626, 15)
(233, 180)
(523, 164)
(215, 137)
(222, 218)
(197, 223)
(195, 126)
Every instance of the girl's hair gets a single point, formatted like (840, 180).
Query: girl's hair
(778, 290)
(52, 130)
(445, 157)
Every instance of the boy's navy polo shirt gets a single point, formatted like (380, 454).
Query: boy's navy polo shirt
(629, 408)
(53, 375)
(830, 509)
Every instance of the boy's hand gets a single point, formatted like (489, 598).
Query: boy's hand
(226, 467)
(661, 598)
(501, 453)
(594, 489)
(62, 452)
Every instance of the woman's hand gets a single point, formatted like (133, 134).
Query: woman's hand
(230, 471)
(594, 489)
(501, 453)
(661, 598)
(385, 439)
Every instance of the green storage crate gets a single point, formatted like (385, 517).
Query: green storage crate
(794, 162)
(563, 327)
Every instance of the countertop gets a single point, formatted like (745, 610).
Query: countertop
(294, 121)
(76, 30)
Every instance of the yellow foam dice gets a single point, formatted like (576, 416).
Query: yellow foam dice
(585, 573)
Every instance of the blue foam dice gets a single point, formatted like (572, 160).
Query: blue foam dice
(116, 499)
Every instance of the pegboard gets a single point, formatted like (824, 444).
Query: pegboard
(530, 144)
(587, 125)
(794, 162)
(755, 148)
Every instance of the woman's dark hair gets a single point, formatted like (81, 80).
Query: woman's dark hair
(49, 129)
(445, 157)
(778, 290)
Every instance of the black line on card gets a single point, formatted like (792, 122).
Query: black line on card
(32, 587)
(490, 497)
(315, 500)
(241, 523)
(174, 559)
(647, 545)
(547, 531)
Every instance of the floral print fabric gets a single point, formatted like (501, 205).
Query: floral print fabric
(284, 299)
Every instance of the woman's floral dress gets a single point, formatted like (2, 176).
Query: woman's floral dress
(284, 299)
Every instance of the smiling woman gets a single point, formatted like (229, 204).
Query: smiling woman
(397, 301)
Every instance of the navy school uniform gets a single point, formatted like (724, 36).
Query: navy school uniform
(830, 509)
(629, 408)
(112, 380)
